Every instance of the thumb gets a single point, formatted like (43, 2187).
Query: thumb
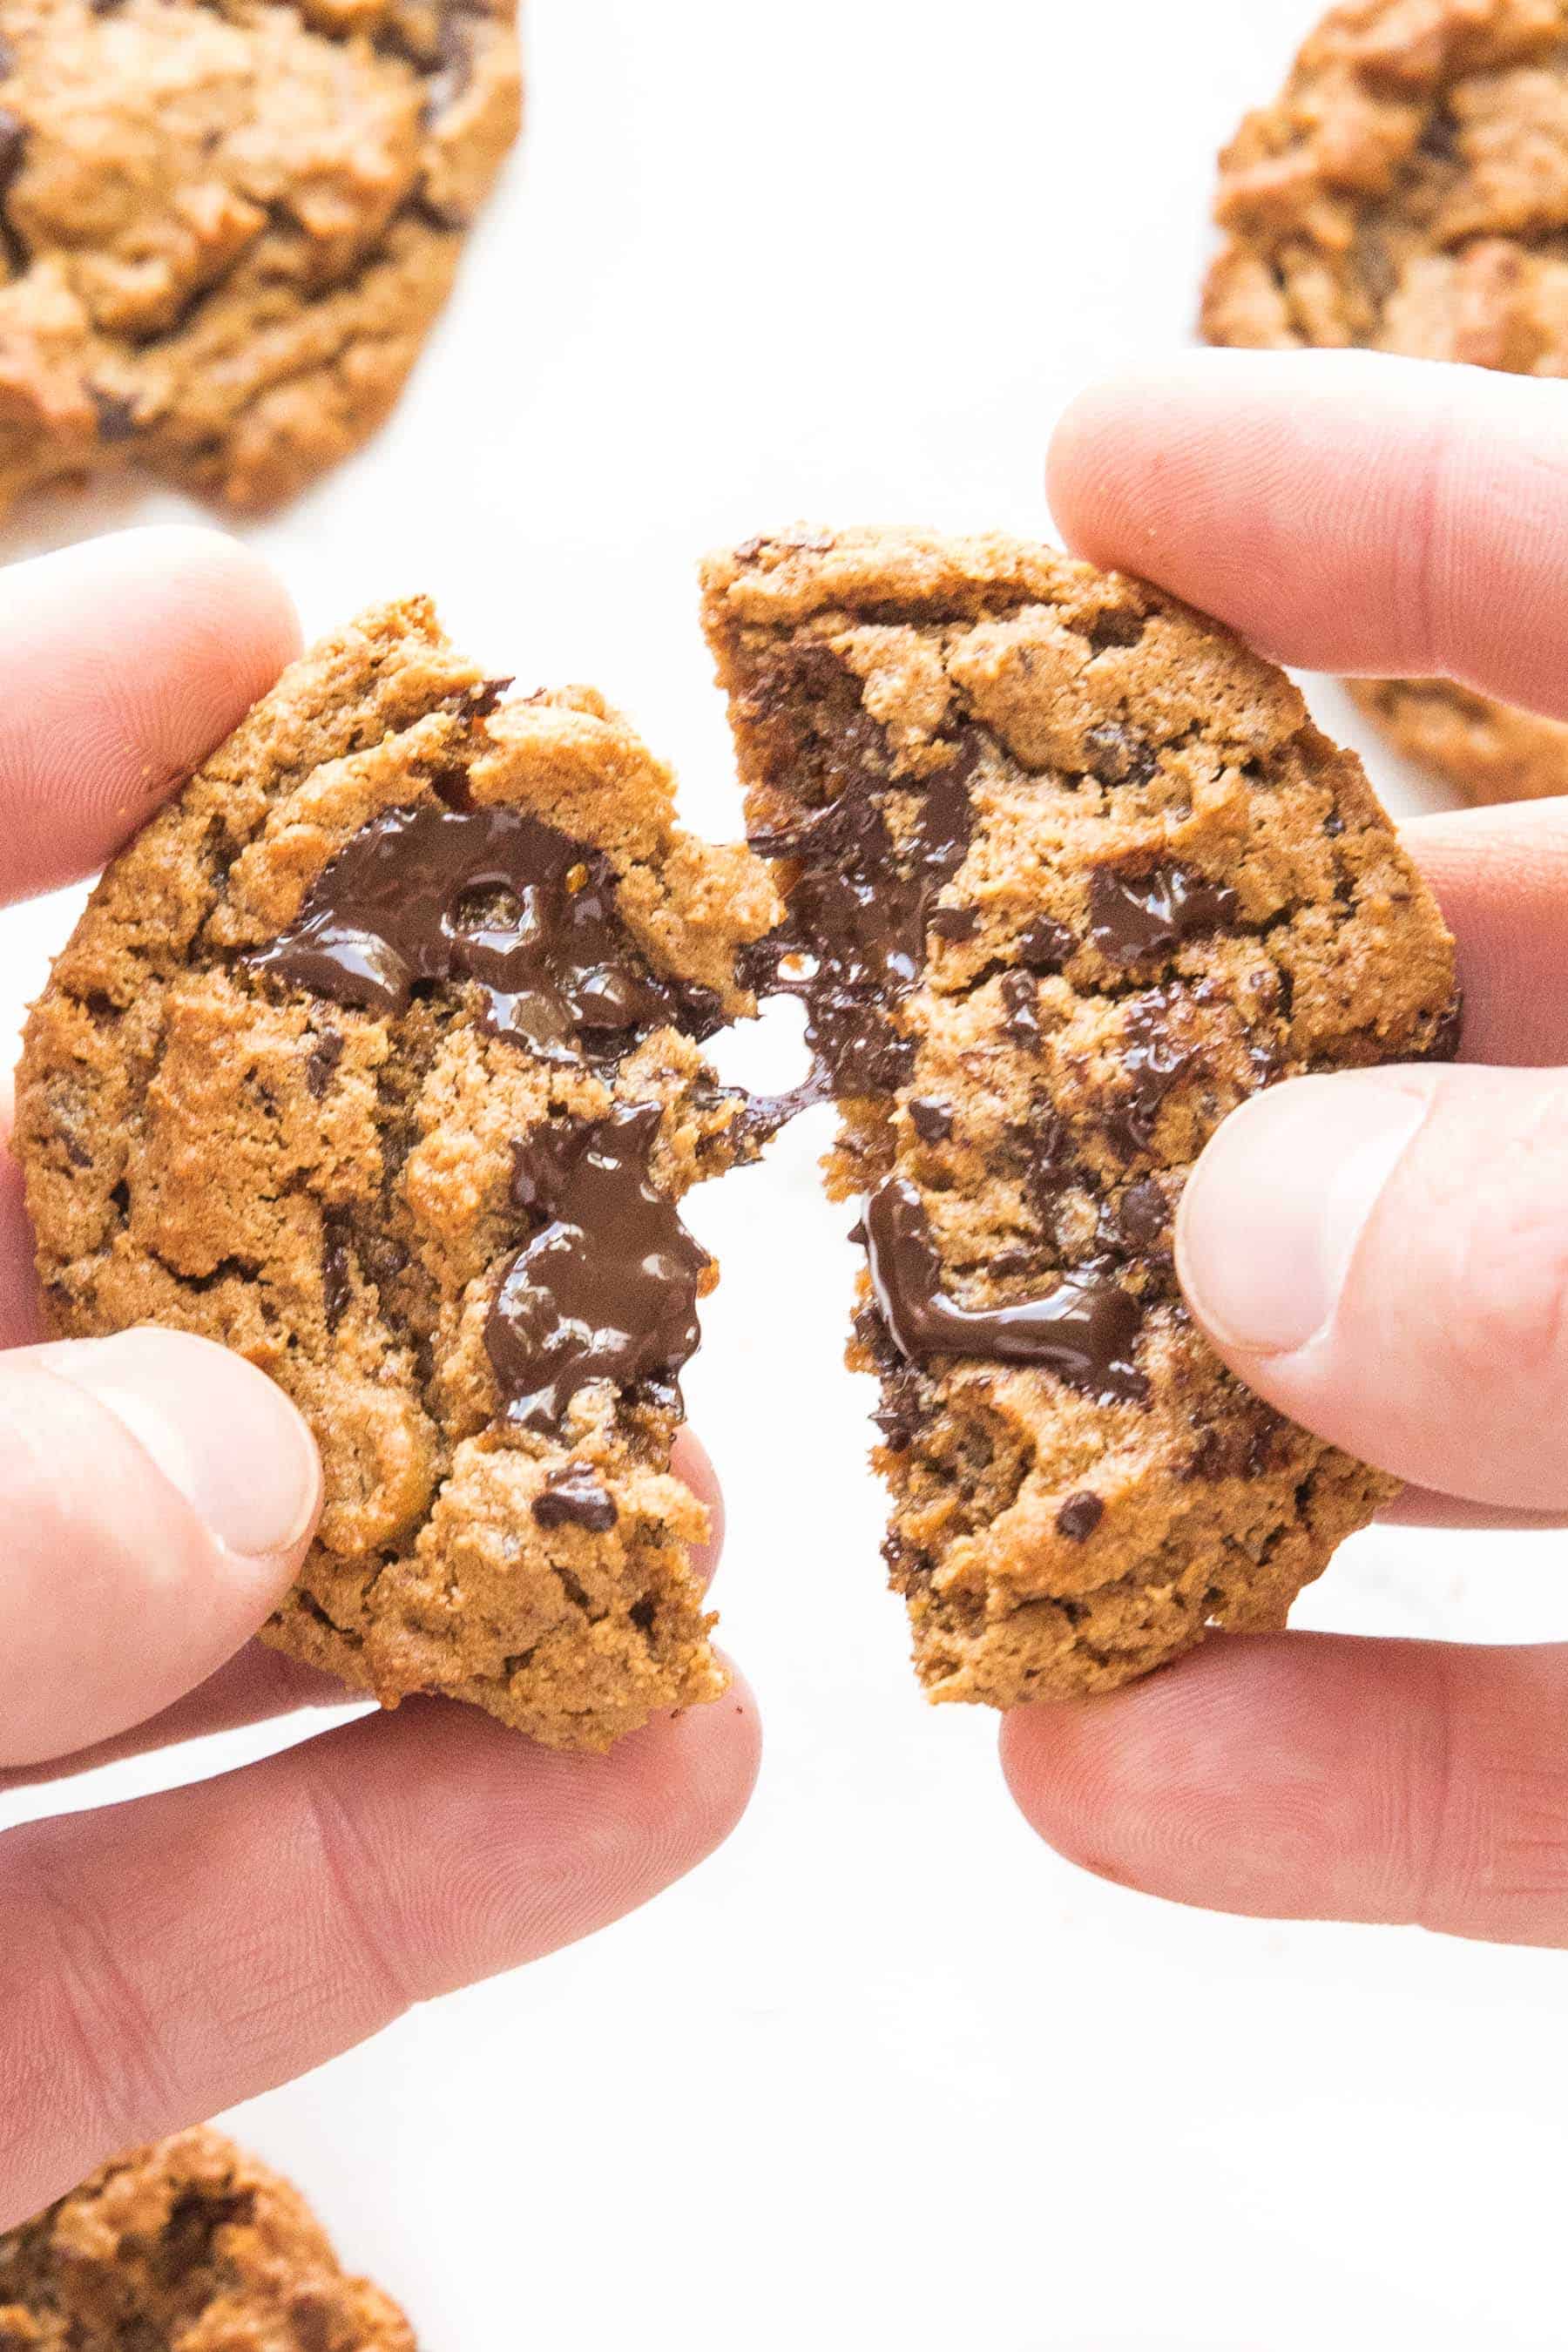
(158, 1494)
(1383, 1255)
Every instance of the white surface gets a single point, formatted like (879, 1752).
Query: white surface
(846, 260)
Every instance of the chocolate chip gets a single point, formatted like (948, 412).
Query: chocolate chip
(1046, 946)
(1079, 1516)
(1144, 1216)
(1020, 995)
(1116, 754)
(1333, 824)
(954, 924)
(1112, 628)
(114, 414)
(1132, 915)
(932, 1120)
(337, 1283)
(574, 1497)
(12, 146)
(324, 1056)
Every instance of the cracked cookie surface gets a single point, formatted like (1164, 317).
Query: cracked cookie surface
(1408, 192)
(186, 2245)
(1070, 874)
(226, 225)
(377, 1057)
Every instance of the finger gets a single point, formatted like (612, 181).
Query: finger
(254, 1687)
(1425, 1507)
(1311, 1777)
(692, 1464)
(160, 1494)
(1500, 876)
(163, 1960)
(123, 663)
(1344, 510)
(1383, 1255)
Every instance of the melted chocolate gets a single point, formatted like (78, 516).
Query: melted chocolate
(491, 896)
(1137, 914)
(1083, 1330)
(854, 942)
(574, 1497)
(1152, 1062)
(607, 1289)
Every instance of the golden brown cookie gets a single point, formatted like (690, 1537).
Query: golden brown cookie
(226, 225)
(1408, 192)
(188, 2245)
(1070, 874)
(377, 1057)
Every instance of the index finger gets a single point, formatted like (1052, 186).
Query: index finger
(1343, 511)
(123, 664)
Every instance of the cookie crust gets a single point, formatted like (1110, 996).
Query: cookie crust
(227, 226)
(184, 2245)
(335, 1188)
(1170, 890)
(1407, 192)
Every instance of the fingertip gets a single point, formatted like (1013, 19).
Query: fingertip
(693, 1465)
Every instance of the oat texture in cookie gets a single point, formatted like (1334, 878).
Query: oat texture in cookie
(377, 1056)
(226, 225)
(1408, 192)
(1069, 875)
(188, 2245)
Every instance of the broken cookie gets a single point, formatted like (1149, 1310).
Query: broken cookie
(183, 2245)
(1069, 875)
(377, 1056)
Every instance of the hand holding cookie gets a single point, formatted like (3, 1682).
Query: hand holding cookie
(1379, 1253)
(160, 1494)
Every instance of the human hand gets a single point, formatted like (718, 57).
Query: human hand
(1382, 1253)
(163, 1960)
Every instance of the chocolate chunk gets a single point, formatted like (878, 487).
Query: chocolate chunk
(1136, 915)
(1079, 1517)
(854, 942)
(1143, 1216)
(491, 896)
(1120, 755)
(324, 1056)
(1083, 1330)
(1448, 1032)
(932, 1120)
(1113, 628)
(1045, 946)
(608, 1290)
(1333, 824)
(1152, 1062)
(954, 924)
(1020, 995)
(573, 1497)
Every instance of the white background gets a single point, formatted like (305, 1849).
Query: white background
(885, 2071)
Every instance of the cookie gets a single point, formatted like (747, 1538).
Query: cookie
(1408, 192)
(188, 2245)
(1069, 875)
(225, 230)
(1493, 751)
(377, 1056)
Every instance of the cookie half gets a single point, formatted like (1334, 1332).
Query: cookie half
(1070, 875)
(225, 230)
(377, 1057)
(1408, 192)
(184, 2243)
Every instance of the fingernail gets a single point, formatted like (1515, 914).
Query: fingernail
(1275, 1208)
(218, 1430)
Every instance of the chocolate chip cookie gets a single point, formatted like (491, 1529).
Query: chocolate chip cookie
(1408, 191)
(186, 2246)
(377, 1056)
(226, 225)
(1069, 875)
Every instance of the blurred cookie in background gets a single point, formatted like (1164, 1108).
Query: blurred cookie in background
(225, 231)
